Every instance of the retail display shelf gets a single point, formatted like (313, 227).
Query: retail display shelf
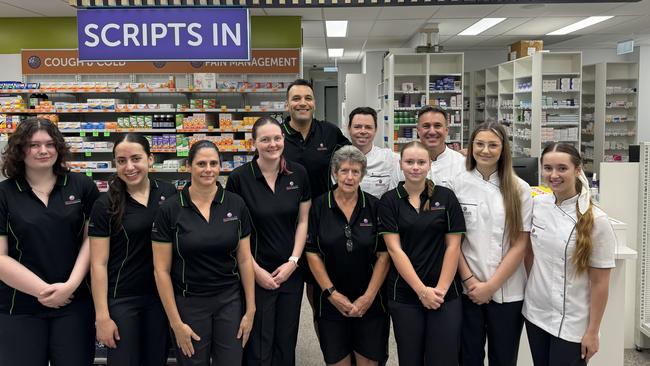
(445, 91)
(560, 107)
(139, 90)
(560, 124)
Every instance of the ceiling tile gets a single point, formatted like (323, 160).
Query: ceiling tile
(305, 14)
(15, 11)
(407, 12)
(402, 28)
(541, 26)
(351, 13)
(607, 26)
(313, 42)
(451, 27)
(500, 41)
(313, 28)
(466, 11)
(465, 41)
(642, 7)
(382, 43)
(360, 28)
(639, 25)
(536, 10)
(346, 43)
(505, 26)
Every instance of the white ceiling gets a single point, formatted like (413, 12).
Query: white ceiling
(380, 28)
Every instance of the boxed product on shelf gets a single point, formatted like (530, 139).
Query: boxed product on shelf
(524, 48)
(205, 80)
(225, 120)
(10, 121)
(226, 84)
(13, 102)
(90, 165)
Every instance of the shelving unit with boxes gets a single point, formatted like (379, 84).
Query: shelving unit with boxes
(468, 111)
(537, 99)
(478, 96)
(614, 113)
(173, 111)
(587, 123)
(414, 80)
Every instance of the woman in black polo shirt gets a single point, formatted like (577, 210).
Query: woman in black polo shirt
(202, 261)
(349, 262)
(277, 194)
(127, 307)
(46, 312)
(422, 225)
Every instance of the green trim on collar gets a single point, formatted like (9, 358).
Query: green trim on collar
(329, 199)
(20, 189)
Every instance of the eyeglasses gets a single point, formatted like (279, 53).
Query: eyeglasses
(480, 145)
(349, 246)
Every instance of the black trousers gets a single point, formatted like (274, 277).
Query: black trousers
(62, 337)
(216, 320)
(548, 350)
(427, 337)
(501, 324)
(143, 329)
(275, 329)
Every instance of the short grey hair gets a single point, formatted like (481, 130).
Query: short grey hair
(349, 154)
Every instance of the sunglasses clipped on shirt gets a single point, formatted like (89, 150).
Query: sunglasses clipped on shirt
(349, 245)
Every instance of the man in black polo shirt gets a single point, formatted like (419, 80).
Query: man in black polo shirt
(308, 141)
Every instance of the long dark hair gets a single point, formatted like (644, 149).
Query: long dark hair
(265, 121)
(117, 188)
(13, 157)
(585, 223)
(507, 179)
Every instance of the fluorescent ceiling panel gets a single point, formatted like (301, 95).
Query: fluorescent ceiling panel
(336, 28)
(579, 25)
(481, 26)
(335, 52)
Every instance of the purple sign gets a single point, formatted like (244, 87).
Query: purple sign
(176, 34)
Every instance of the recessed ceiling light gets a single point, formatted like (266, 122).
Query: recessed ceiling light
(335, 52)
(579, 25)
(481, 26)
(336, 28)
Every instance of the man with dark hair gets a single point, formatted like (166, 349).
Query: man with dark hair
(308, 141)
(381, 162)
(433, 128)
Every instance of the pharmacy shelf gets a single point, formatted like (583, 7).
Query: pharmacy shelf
(614, 82)
(434, 79)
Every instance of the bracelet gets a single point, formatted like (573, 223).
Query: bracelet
(423, 294)
(468, 278)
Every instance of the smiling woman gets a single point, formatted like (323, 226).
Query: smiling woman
(45, 311)
(202, 261)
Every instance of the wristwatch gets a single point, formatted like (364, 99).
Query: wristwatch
(294, 259)
(329, 291)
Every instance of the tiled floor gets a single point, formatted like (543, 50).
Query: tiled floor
(634, 358)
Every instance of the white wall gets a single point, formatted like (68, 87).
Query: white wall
(345, 69)
(10, 68)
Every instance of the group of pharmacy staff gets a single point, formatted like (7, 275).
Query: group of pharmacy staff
(223, 267)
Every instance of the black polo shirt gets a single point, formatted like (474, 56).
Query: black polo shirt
(204, 255)
(422, 237)
(45, 239)
(350, 272)
(314, 152)
(130, 261)
(274, 214)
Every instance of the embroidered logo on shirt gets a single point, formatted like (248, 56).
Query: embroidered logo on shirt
(366, 223)
(292, 186)
(71, 200)
(322, 147)
(437, 204)
(230, 217)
